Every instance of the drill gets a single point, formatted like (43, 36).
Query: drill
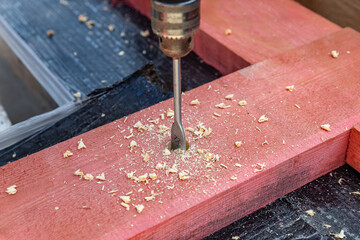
(175, 22)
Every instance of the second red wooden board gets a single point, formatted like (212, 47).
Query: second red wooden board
(254, 136)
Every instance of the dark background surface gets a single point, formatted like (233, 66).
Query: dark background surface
(133, 83)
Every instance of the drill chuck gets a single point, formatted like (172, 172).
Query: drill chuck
(175, 22)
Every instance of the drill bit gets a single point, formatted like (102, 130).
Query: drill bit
(175, 22)
(178, 140)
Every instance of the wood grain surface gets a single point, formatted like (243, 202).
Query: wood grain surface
(353, 152)
(53, 203)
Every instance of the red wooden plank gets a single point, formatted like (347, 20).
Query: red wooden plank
(297, 152)
(353, 152)
(260, 29)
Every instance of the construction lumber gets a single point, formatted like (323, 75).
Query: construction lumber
(234, 169)
(353, 153)
(259, 30)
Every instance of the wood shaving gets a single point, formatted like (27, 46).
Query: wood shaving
(190, 129)
(334, 54)
(140, 127)
(262, 119)
(259, 167)
(326, 127)
(238, 165)
(224, 166)
(290, 88)
(162, 116)
(194, 102)
(113, 191)
(88, 177)
(125, 199)
(56, 208)
(78, 173)
(145, 33)
(156, 121)
(242, 103)
(111, 28)
(146, 157)
(216, 114)
(200, 151)
(340, 180)
(228, 31)
(139, 208)
(211, 157)
(310, 212)
(160, 166)
(238, 144)
(77, 94)
(142, 178)
(133, 144)
(90, 24)
(67, 154)
(64, 2)
(200, 131)
(128, 137)
(173, 169)
(129, 193)
(356, 193)
(127, 206)
(101, 177)
(297, 106)
(340, 235)
(82, 18)
(326, 226)
(235, 238)
(229, 97)
(50, 33)
(166, 152)
(153, 176)
(163, 129)
(221, 106)
(183, 175)
(11, 190)
(170, 113)
(150, 198)
(233, 178)
(264, 143)
(121, 53)
(81, 144)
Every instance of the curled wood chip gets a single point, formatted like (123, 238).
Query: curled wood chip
(310, 212)
(150, 198)
(242, 103)
(100, 177)
(163, 129)
(238, 165)
(228, 31)
(139, 208)
(297, 106)
(153, 176)
(183, 175)
(264, 143)
(133, 144)
(200, 131)
(238, 143)
(229, 97)
(235, 238)
(290, 88)
(162, 116)
(67, 154)
(11, 190)
(224, 166)
(194, 102)
(88, 177)
(170, 113)
(111, 28)
(125, 199)
(160, 166)
(127, 206)
(173, 169)
(200, 151)
(340, 235)
(166, 152)
(356, 193)
(233, 178)
(78, 173)
(128, 137)
(81, 144)
(146, 157)
(142, 178)
(140, 127)
(50, 33)
(145, 33)
(262, 119)
(216, 114)
(221, 106)
(90, 24)
(326, 226)
(77, 94)
(259, 167)
(326, 127)
(82, 18)
(334, 54)
(121, 53)
(211, 157)
(156, 121)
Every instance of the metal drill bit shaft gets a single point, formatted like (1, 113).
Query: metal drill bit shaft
(178, 140)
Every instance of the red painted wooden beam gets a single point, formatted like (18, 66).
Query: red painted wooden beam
(353, 152)
(273, 158)
(260, 29)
